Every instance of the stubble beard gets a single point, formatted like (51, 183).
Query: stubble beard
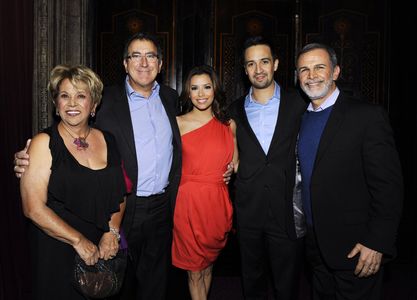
(318, 94)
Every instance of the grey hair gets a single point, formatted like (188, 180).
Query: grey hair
(314, 46)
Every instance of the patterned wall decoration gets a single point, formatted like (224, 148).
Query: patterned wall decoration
(358, 52)
(61, 36)
(250, 23)
(111, 48)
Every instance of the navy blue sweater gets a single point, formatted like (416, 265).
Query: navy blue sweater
(312, 126)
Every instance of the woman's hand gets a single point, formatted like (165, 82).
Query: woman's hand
(87, 251)
(109, 245)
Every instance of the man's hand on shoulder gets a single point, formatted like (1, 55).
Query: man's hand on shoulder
(21, 159)
(228, 174)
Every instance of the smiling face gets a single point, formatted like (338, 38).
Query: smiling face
(260, 66)
(201, 92)
(142, 73)
(74, 103)
(317, 75)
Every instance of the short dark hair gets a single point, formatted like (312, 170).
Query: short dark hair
(219, 105)
(258, 40)
(143, 36)
(314, 46)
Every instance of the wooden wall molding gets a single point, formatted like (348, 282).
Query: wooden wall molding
(358, 50)
(124, 24)
(62, 34)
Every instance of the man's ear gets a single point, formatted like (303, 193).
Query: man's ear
(276, 63)
(125, 65)
(336, 73)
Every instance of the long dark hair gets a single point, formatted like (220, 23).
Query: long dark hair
(219, 105)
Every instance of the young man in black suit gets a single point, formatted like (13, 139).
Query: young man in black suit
(267, 121)
(351, 183)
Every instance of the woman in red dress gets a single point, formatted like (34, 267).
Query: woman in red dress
(203, 211)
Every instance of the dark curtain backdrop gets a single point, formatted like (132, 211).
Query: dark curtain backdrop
(16, 67)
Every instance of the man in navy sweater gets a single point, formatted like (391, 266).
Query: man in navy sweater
(351, 183)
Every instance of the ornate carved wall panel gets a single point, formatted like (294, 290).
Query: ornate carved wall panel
(194, 36)
(62, 35)
(118, 20)
(358, 51)
(112, 43)
(211, 33)
(251, 22)
(230, 59)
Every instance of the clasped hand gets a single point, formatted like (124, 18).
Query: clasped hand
(90, 253)
(108, 246)
(87, 251)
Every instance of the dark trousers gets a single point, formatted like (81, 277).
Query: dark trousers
(331, 284)
(149, 243)
(269, 251)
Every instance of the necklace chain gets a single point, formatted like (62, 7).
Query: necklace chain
(80, 141)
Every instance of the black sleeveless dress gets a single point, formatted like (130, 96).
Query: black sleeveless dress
(85, 199)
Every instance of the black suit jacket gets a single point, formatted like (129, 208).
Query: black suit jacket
(356, 184)
(114, 116)
(264, 182)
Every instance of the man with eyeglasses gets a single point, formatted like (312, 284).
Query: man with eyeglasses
(141, 114)
(269, 224)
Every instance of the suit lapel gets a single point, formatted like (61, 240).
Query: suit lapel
(245, 123)
(332, 127)
(171, 113)
(283, 116)
(122, 113)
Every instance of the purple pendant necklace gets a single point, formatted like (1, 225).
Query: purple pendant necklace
(80, 141)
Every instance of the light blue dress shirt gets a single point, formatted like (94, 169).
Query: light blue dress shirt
(263, 117)
(153, 140)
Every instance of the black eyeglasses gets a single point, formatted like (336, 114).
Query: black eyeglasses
(137, 57)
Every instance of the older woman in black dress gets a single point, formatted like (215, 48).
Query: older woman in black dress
(73, 190)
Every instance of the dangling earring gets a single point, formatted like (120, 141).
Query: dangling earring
(57, 112)
(92, 114)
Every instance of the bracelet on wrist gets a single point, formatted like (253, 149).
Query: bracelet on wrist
(115, 232)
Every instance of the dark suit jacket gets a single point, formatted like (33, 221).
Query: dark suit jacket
(264, 182)
(356, 184)
(114, 116)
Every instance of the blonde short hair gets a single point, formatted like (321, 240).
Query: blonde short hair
(75, 74)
